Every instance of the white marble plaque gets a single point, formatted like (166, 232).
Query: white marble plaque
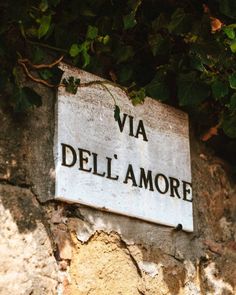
(137, 166)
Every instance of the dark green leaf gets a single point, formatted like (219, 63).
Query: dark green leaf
(104, 39)
(25, 98)
(229, 125)
(180, 22)
(45, 74)
(230, 33)
(92, 32)
(160, 22)
(74, 50)
(137, 96)
(191, 91)
(43, 6)
(232, 81)
(123, 53)
(233, 46)
(125, 74)
(129, 21)
(45, 23)
(232, 104)
(219, 89)
(71, 84)
(86, 58)
(196, 64)
(158, 87)
(158, 44)
(116, 113)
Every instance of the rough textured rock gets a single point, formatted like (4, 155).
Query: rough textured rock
(26, 147)
(56, 248)
(27, 262)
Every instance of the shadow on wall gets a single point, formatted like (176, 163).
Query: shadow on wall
(23, 207)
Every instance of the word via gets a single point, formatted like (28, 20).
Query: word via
(140, 128)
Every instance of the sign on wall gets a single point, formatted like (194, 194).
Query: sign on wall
(138, 165)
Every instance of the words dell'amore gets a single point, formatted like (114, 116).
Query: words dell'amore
(88, 161)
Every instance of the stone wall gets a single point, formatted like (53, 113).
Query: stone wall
(49, 247)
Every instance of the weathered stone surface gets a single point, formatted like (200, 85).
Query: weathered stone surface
(106, 253)
(27, 262)
(108, 268)
(26, 146)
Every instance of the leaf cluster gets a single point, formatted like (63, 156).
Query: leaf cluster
(179, 52)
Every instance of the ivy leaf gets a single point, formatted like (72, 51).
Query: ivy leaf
(74, 50)
(158, 90)
(230, 33)
(158, 44)
(196, 63)
(86, 58)
(45, 23)
(219, 89)
(116, 112)
(92, 32)
(233, 46)
(158, 87)
(129, 21)
(125, 74)
(71, 84)
(123, 53)
(45, 74)
(180, 22)
(229, 125)
(232, 104)
(160, 22)
(104, 39)
(25, 98)
(137, 96)
(232, 81)
(191, 91)
(43, 6)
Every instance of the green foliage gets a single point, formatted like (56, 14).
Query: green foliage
(179, 52)
(229, 125)
(137, 96)
(25, 98)
(116, 112)
(191, 90)
(45, 23)
(71, 84)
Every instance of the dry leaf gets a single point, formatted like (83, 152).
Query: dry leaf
(216, 24)
(210, 133)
